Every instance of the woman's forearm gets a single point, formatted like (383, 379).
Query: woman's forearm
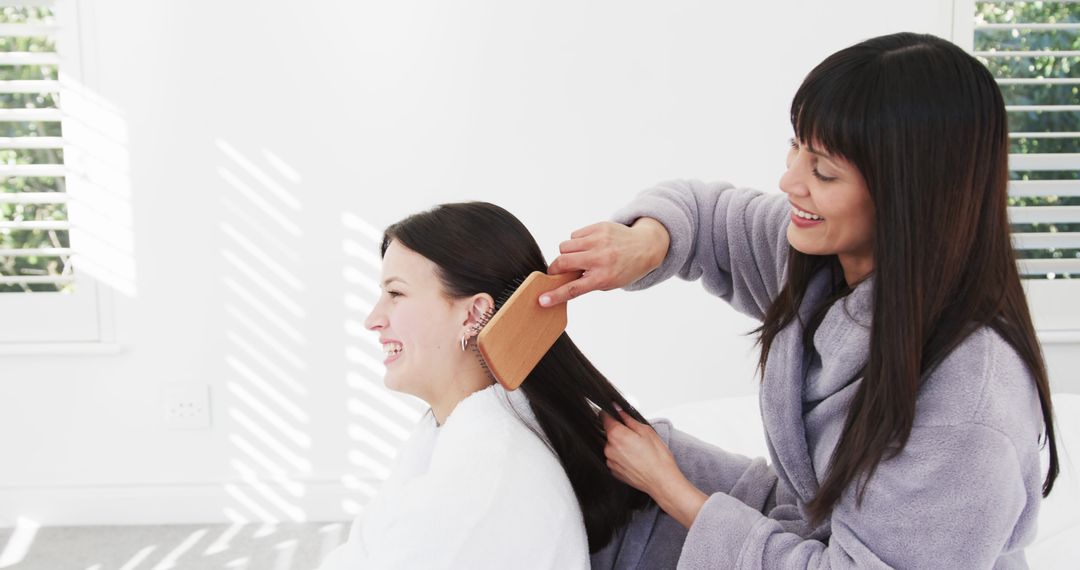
(682, 501)
(659, 239)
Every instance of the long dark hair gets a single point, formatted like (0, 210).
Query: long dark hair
(481, 248)
(925, 124)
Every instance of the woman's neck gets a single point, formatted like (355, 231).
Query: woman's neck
(464, 383)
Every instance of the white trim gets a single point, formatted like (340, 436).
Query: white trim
(1053, 305)
(963, 24)
(166, 503)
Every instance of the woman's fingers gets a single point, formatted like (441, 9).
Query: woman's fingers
(589, 229)
(583, 243)
(571, 290)
(575, 261)
(609, 255)
(634, 425)
(608, 421)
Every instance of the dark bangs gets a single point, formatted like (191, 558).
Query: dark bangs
(830, 109)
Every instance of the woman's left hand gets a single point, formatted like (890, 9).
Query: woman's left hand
(638, 457)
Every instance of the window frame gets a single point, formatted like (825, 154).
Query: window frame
(1054, 303)
(80, 321)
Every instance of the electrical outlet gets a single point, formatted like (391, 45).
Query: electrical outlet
(187, 406)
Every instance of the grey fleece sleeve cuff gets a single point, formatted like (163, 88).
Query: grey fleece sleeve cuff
(720, 534)
(676, 217)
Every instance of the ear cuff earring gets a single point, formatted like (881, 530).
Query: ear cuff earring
(476, 328)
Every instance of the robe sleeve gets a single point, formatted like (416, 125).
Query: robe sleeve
(950, 499)
(733, 239)
(653, 539)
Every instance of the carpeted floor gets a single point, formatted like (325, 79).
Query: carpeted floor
(195, 547)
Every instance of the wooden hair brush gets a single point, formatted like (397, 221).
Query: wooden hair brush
(521, 331)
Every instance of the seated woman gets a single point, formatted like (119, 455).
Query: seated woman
(489, 478)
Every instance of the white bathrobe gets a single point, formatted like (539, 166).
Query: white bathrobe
(481, 491)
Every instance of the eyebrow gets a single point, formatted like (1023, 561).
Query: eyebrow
(811, 149)
(389, 279)
(820, 153)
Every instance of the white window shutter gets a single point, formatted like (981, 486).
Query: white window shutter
(1033, 49)
(1034, 52)
(45, 299)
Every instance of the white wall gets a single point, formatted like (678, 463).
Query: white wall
(269, 143)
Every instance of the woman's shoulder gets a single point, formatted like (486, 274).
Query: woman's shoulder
(487, 442)
(485, 432)
(982, 381)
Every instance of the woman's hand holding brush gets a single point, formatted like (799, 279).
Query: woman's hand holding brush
(610, 255)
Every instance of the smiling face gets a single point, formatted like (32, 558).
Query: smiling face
(832, 211)
(419, 326)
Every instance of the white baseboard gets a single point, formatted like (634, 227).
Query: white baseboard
(199, 503)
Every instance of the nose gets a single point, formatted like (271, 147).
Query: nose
(793, 181)
(376, 319)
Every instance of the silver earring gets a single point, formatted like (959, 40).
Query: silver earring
(464, 341)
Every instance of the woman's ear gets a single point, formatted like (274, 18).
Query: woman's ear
(480, 308)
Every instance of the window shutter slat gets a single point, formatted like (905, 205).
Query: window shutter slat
(35, 225)
(29, 58)
(33, 197)
(1049, 266)
(1060, 188)
(31, 142)
(1044, 215)
(29, 86)
(36, 279)
(1050, 161)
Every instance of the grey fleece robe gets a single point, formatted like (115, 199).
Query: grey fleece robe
(963, 493)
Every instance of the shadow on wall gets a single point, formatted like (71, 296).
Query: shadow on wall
(380, 420)
(265, 304)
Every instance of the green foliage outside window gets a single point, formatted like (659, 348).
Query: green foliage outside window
(1060, 94)
(16, 238)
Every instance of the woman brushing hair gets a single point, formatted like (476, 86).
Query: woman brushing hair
(904, 394)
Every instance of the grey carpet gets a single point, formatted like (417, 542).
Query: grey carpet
(180, 547)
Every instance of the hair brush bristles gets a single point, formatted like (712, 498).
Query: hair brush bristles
(501, 300)
(520, 332)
